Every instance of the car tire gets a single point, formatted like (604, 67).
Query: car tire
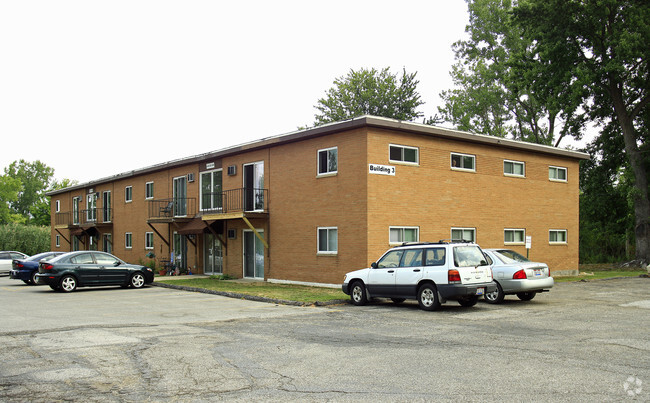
(526, 296)
(28, 282)
(495, 297)
(68, 284)
(428, 297)
(398, 300)
(137, 280)
(468, 301)
(33, 279)
(358, 293)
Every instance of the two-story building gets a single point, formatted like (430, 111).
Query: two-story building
(312, 205)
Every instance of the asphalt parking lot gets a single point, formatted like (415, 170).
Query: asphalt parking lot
(585, 341)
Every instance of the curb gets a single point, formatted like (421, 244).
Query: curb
(250, 297)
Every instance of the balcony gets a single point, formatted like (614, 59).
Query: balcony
(171, 210)
(87, 218)
(235, 202)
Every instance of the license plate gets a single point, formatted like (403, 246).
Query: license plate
(537, 272)
(480, 291)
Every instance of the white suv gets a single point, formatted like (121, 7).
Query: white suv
(432, 273)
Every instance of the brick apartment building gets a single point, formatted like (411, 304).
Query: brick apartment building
(312, 205)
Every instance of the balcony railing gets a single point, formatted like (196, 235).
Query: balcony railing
(96, 216)
(62, 219)
(177, 207)
(236, 200)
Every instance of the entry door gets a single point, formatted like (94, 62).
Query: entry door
(254, 186)
(91, 212)
(180, 196)
(212, 255)
(106, 203)
(253, 255)
(180, 251)
(75, 210)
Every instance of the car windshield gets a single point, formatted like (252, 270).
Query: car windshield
(465, 256)
(510, 256)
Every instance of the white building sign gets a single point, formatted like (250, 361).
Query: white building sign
(381, 169)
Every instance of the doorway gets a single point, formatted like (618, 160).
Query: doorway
(212, 255)
(254, 186)
(253, 255)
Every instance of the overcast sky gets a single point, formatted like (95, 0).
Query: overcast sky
(93, 89)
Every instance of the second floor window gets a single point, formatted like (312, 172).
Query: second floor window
(328, 161)
(514, 168)
(557, 174)
(148, 190)
(128, 194)
(464, 162)
(403, 154)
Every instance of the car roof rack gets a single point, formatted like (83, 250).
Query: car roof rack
(440, 242)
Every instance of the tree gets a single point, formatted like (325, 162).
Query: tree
(493, 93)
(370, 92)
(41, 209)
(599, 50)
(35, 179)
(9, 188)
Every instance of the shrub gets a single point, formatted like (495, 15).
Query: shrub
(29, 239)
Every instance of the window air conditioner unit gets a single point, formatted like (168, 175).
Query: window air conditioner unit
(190, 177)
(232, 170)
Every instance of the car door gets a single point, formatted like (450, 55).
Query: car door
(409, 273)
(83, 265)
(5, 262)
(111, 269)
(381, 279)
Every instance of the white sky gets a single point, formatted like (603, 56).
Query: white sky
(96, 88)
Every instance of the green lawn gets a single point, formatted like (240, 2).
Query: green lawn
(600, 274)
(287, 292)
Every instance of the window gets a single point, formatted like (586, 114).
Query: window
(390, 259)
(557, 174)
(128, 240)
(435, 257)
(148, 240)
(58, 241)
(108, 243)
(148, 190)
(463, 162)
(514, 168)
(328, 161)
(58, 206)
(328, 240)
(82, 258)
(514, 236)
(463, 234)
(403, 154)
(557, 236)
(211, 190)
(104, 259)
(128, 194)
(403, 234)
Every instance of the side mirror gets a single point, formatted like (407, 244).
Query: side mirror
(373, 265)
(484, 263)
(117, 263)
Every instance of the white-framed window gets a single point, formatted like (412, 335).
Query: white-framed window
(557, 236)
(463, 234)
(514, 168)
(148, 190)
(328, 161)
(57, 206)
(397, 153)
(58, 241)
(397, 235)
(463, 162)
(211, 190)
(148, 240)
(128, 240)
(557, 174)
(128, 194)
(514, 236)
(328, 240)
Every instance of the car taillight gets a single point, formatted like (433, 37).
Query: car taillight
(520, 275)
(20, 265)
(47, 266)
(453, 276)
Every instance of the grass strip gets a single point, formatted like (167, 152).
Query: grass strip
(599, 275)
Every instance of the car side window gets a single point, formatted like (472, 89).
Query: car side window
(435, 257)
(105, 259)
(412, 258)
(16, 255)
(391, 259)
(84, 258)
(4, 255)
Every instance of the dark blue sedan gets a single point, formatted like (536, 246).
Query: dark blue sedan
(27, 268)
(90, 268)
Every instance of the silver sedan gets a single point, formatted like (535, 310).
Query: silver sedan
(514, 274)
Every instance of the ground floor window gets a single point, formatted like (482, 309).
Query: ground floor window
(75, 243)
(128, 240)
(514, 236)
(58, 241)
(463, 234)
(328, 240)
(404, 234)
(148, 240)
(557, 236)
(107, 243)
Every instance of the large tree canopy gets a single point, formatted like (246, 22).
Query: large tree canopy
(370, 92)
(494, 83)
(599, 50)
(35, 179)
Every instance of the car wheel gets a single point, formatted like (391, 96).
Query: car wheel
(28, 282)
(137, 280)
(495, 297)
(398, 300)
(68, 284)
(526, 296)
(34, 282)
(428, 297)
(358, 293)
(468, 301)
